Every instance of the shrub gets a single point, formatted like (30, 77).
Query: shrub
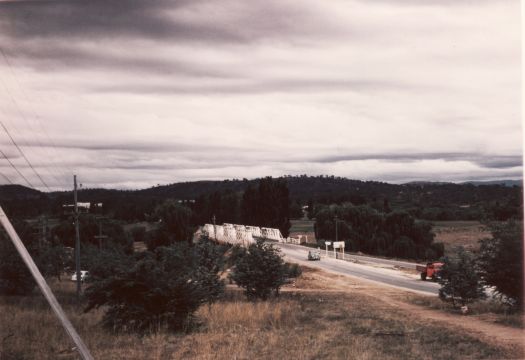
(161, 289)
(501, 262)
(459, 280)
(293, 270)
(15, 278)
(259, 270)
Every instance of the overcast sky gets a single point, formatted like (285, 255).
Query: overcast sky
(130, 94)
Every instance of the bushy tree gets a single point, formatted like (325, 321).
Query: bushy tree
(459, 279)
(15, 278)
(160, 289)
(64, 233)
(259, 270)
(501, 261)
(267, 205)
(365, 229)
(176, 225)
(53, 259)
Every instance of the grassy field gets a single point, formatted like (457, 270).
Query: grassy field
(311, 320)
(464, 233)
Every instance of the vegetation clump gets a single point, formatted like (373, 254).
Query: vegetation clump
(261, 271)
(161, 289)
(459, 280)
(501, 261)
(365, 229)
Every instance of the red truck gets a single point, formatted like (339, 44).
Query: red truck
(432, 270)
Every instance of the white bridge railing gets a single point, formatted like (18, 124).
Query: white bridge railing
(243, 235)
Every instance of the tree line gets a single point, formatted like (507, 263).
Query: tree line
(365, 229)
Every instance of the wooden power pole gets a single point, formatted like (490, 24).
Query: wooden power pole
(77, 240)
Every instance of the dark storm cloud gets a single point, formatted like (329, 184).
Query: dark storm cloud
(57, 54)
(154, 19)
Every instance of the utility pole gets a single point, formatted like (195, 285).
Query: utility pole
(44, 230)
(336, 233)
(336, 229)
(214, 228)
(100, 236)
(77, 240)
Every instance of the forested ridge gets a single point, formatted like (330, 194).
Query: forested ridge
(427, 200)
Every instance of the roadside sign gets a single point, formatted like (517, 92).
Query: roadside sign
(339, 244)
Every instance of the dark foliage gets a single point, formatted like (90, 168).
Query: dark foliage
(501, 261)
(64, 233)
(160, 289)
(175, 225)
(370, 231)
(260, 270)
(459, 280)
(225, 206)
(267, 205)
(424, 200)
(15, 278)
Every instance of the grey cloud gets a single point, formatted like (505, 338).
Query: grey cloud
(248, 21)
(500, 162)
(57, 55)
(277, 85)
(483, 160)
(132, 145)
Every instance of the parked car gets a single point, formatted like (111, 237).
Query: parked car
(84, 274)
(314, 255)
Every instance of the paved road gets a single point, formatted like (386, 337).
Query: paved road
(388, 277)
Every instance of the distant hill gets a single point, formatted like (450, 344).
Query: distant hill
(508, 183)
(11, 192)
(431, 200)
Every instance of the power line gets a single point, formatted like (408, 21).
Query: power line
(5, 177)
(15, 103)
(24, 156)
(16, 169)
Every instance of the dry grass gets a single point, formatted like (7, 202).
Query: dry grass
(304, 323)
(464, 233)
(487, 310)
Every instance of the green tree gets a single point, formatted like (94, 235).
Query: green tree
(268, 205)
(259, 270)
(53, 260)
(459, 279)
(501, 261)
(161, 289)
(15, 278)
(176, 225)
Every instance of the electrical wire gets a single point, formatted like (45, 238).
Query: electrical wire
(23, 155)
(37, 120)
(16, 169)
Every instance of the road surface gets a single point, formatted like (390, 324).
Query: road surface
(389, 277)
